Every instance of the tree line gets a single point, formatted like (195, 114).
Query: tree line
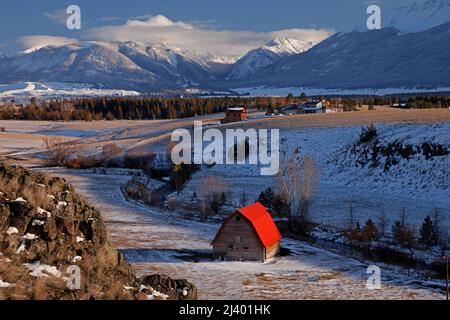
(149, 108)
(414, 102)
(132, 108)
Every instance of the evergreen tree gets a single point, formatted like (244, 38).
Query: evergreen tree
(369, 232)
(109, 116)
(267, 198)
(290, 97)
(427, 237)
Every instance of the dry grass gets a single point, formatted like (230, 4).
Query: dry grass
(14, 274)
(154, 135)
(35, 194)
(37, 197)
(9, 185)
(342, 119)
(59, 150)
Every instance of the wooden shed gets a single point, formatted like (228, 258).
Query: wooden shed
(247, 234)
(235, 114)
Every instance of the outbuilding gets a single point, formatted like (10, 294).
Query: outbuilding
(248, 234)
(235, 114)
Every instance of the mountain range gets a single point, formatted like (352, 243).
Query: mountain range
(133, 65)
(386, 58)
(124, 65)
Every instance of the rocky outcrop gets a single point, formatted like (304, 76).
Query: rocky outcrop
(54, 245)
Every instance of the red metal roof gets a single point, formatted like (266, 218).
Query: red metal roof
(261, 221)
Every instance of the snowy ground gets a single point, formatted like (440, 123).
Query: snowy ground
(282, 92)
(418, 186)
(24, 90)
(157, 242)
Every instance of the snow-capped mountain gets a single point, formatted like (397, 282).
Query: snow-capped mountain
(415, 16)
(266, 55)
(123, 65)
(170, 62)
(385, 58)
(223, 59)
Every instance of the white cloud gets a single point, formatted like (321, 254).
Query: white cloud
(196, 37)
(57, 16)
(40, 41)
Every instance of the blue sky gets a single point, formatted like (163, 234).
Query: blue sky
(104, 18)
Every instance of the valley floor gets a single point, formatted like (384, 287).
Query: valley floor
(155, 242)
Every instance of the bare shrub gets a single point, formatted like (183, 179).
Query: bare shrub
(110, 151)
(298, 182)
(139, 158)
(37, 196)
(136, 189)
(81, 161)
(383, 222)
(59, 151)
(437, 221)
(214, 193)
(181, 174)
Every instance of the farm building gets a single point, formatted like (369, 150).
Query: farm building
(314, 106)
(235, 114)
(289, 110)
(247, 234)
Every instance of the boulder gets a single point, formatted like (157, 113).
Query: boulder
(175, 289)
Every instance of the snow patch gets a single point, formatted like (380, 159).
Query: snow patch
(39, 270)
(61, 204)
(76, 259)
(12, 230)
(20, 199)
(37, 223)
(6, 284)
(29, 236)
(44, 212)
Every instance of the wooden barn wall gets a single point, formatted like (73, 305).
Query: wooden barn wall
(227, 236)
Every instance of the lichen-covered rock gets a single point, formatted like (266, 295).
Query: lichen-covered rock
(54, 245)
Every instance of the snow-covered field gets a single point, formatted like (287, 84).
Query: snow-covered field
(417, 185)
(282, 92)
(23, 90)
(157, 242)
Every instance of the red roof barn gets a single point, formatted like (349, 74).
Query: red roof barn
(247, 234)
